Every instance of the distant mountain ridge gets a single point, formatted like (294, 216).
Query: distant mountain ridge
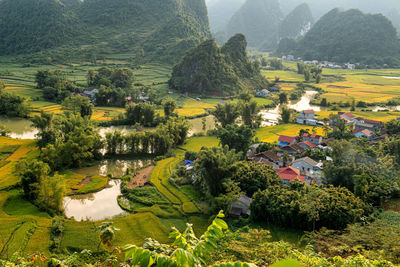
(160, 30)
(350, 36)
(297, 23)
(259, 21)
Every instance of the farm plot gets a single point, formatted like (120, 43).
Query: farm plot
(272, 133)
(15, 149)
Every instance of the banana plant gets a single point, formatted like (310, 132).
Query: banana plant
(188, 250)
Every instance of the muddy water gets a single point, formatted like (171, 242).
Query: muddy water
(271, 117)
(20, 128)
(97, 206)
(304, 102)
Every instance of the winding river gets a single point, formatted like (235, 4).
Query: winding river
(271, 117)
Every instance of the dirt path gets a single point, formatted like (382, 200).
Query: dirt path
(86, 181)
(141, 177)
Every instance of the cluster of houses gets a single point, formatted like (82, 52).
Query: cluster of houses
(322, 64)
(361, 127)
(288, 160)
(268, 93)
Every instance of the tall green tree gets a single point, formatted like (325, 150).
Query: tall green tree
(215, 167)
(78, 104)
(252, 177)
(169, 107)
(32, 172)
(249, 114)
(236, 137)
(283, 99)
(227, 113)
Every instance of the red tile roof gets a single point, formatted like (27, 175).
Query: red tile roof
(309, 111)
(372, 121)
(291, 174)
(349, 115)
(286, 139)
(311, 135)
(308, 143)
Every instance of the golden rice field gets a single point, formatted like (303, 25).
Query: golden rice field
(7, 176)
(106, 113)
(272, 133)
(370, 86)
(192, 108)
(379, 116)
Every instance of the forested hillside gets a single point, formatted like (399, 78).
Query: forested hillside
(27, 26)
(350, 36)
(297, 23)
(259, 21)
(220, 71)
(151, 29)
(389, 8)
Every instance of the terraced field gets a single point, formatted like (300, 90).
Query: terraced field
(12, 151)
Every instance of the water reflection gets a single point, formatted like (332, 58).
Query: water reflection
(124, 129)
(117, 167)
(96, 206)
(20, 128)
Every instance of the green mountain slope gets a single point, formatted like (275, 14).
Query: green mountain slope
(351, 36)
(30, 25)
(259, 21)
(297, 23)
(209, 69)
(161, 30)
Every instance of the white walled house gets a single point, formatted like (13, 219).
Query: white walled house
(307, 164)
(307, 117)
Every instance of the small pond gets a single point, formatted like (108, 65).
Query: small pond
(117, 167)
(96, 206)
(20, 128)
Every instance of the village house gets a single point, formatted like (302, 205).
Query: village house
(91, 93)
(290, 58)
(364, 124)
(307, 117)
(271, 157)
(275, 88)
(289, 174)
(347, 116)
(240, 207)
(313, 138)
(307, 145)
(286, 140)
(263, 93)
(293, 149)
(363, 133)
(307, 164)
(263, 161)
